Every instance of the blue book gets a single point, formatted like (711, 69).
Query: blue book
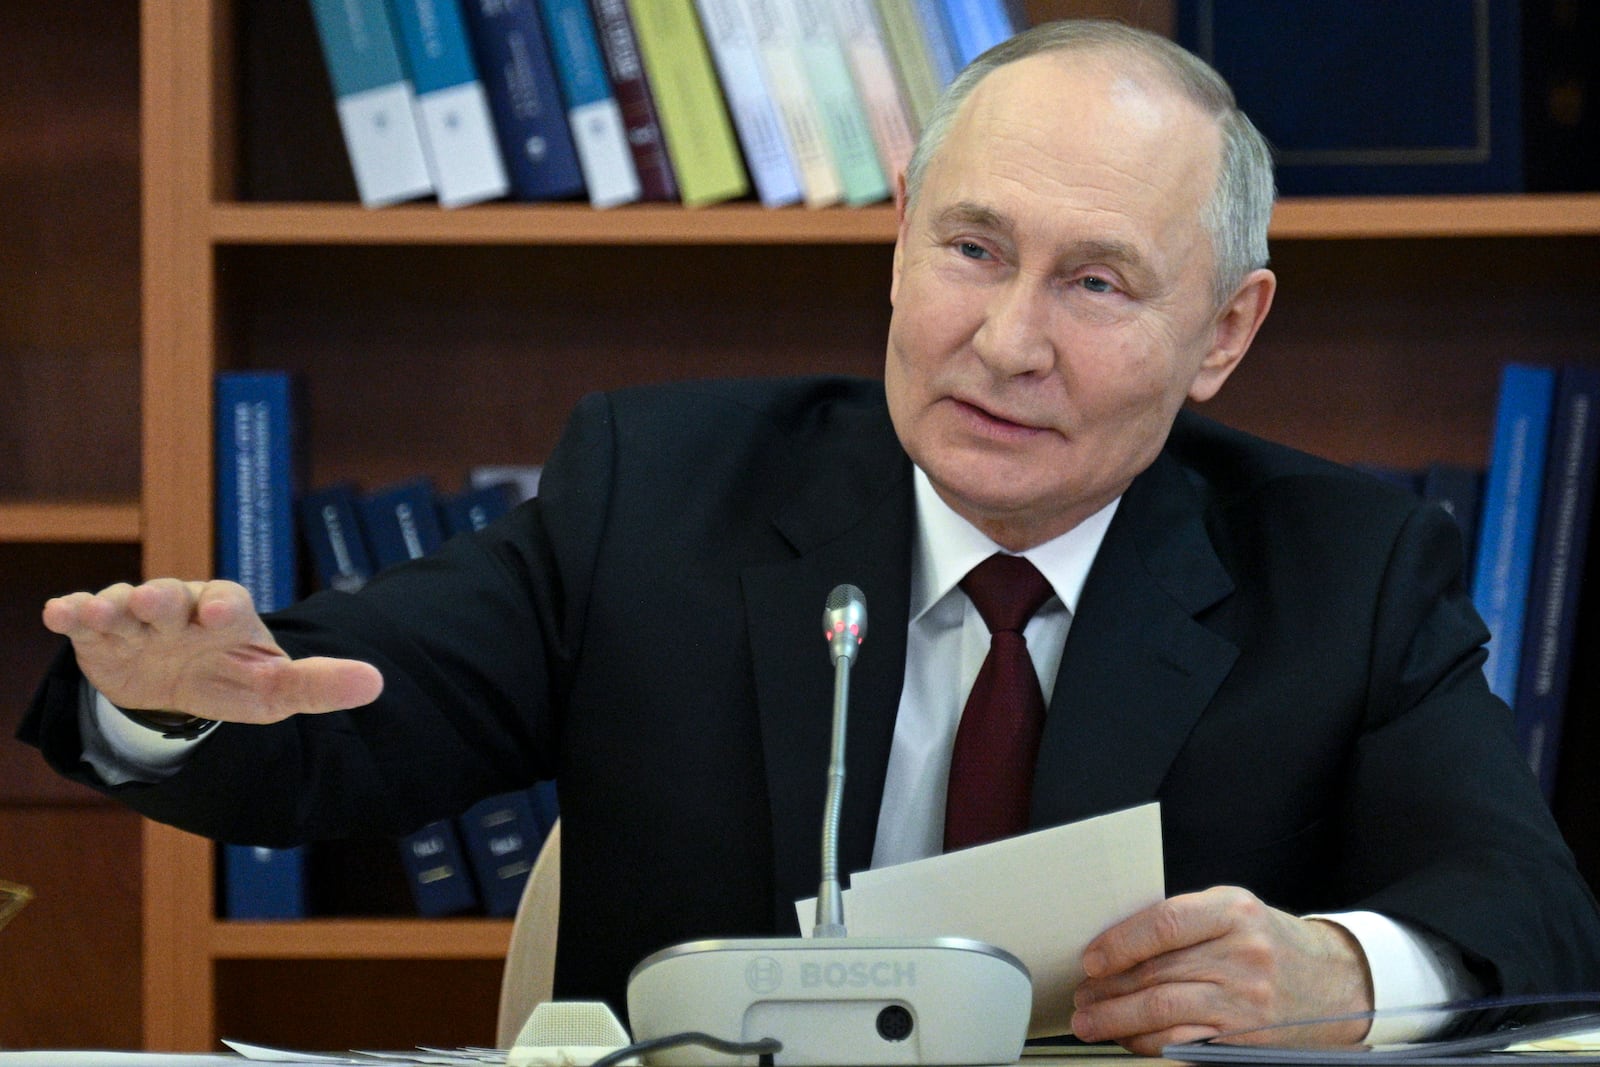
(546, 806)
(457, 130)
(474, 508)
(436, 869)
(333, 533)
(1356, 99)
(257, 458)
(978, 25)
(520, 80)
(593, 112)
(402, 522)
(1504, 566)
(502, 836)
(1558, 569)
(375, 100)
(263, 883)
(944, 53)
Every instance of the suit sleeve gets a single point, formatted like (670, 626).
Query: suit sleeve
(476, 645)
(1447, 829)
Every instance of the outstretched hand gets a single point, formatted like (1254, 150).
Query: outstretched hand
(199, 648)
(1202, 964)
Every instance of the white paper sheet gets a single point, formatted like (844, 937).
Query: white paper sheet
(1041, 896)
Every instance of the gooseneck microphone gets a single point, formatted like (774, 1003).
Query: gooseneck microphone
(831, 1000)
(844, 624)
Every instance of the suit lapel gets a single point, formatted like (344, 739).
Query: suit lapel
(852, 524)
(1138, 669)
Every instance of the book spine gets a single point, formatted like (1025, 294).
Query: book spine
(777, 35)
(766, 147)
(374, 99)
(700, 138)
(844, 120)
(475, 508)
(856, 22)
(902, 32)
(402, 522)
(978, 25)
(1510, 517)
(620, 45)
(437, 871)
(1558, 569)
(519, 79)
(333, 534)
(255, 465)
(457, 130)
(593, 112)
(939, 38)
(502, 837)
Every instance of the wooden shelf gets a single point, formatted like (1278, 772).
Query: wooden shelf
(69, 521)
(337, 939)
(1318, 218)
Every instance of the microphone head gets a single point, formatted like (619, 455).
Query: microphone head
(844, 622)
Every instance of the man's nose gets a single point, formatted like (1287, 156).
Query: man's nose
(1014, 337)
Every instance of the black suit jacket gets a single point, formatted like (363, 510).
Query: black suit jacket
(1278, 649)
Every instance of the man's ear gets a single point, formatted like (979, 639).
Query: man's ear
(1235, 327)
(900, 235)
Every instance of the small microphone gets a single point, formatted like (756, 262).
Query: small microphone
(831, 1000)
(844, 623)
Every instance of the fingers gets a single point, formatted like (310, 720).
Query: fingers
(1172, 924)
(319, 684)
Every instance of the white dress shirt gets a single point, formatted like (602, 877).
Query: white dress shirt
(946, 646)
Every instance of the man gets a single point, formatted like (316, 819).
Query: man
(1278, 649)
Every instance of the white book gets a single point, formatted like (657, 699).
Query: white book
(732, 42)
(777, 34)
(872, 67)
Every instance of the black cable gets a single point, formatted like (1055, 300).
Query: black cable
(765, 1046)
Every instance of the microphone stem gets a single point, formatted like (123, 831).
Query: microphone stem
(830, 901)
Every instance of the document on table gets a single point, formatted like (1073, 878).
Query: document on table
(1041, 896)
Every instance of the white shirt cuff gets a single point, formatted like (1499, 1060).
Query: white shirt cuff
(1409, 968)
(120, 750)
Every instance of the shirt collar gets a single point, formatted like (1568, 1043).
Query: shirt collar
(948, 546)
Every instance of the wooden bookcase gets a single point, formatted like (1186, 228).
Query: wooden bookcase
(433, 340)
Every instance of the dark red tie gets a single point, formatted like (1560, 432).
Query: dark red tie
(997, 743)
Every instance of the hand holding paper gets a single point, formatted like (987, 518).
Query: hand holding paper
(1041, 896)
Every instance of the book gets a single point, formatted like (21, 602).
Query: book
(1566, 510)
(374, 99)
(523, 477)
(777, 35)
(1560, 96)
(625, 66)
(436, 870)
(978, 25)
(732, 43)
(546, 804)
(694, 116)
(502, 836)
(1355, 100)
(872, 67)
(519, 79)
(844, 119)
(944, 55)
(902, 32)
(257, 461)
(1504, 562)
(331, 527)
(593, 112)
(474, 508)
(402, 522)
(458, 133)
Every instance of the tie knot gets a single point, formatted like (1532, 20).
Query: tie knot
(1006, 590)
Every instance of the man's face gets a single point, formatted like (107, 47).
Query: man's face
(1052, 294)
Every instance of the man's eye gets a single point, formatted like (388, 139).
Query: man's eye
(971, 249)
(1096, 284)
